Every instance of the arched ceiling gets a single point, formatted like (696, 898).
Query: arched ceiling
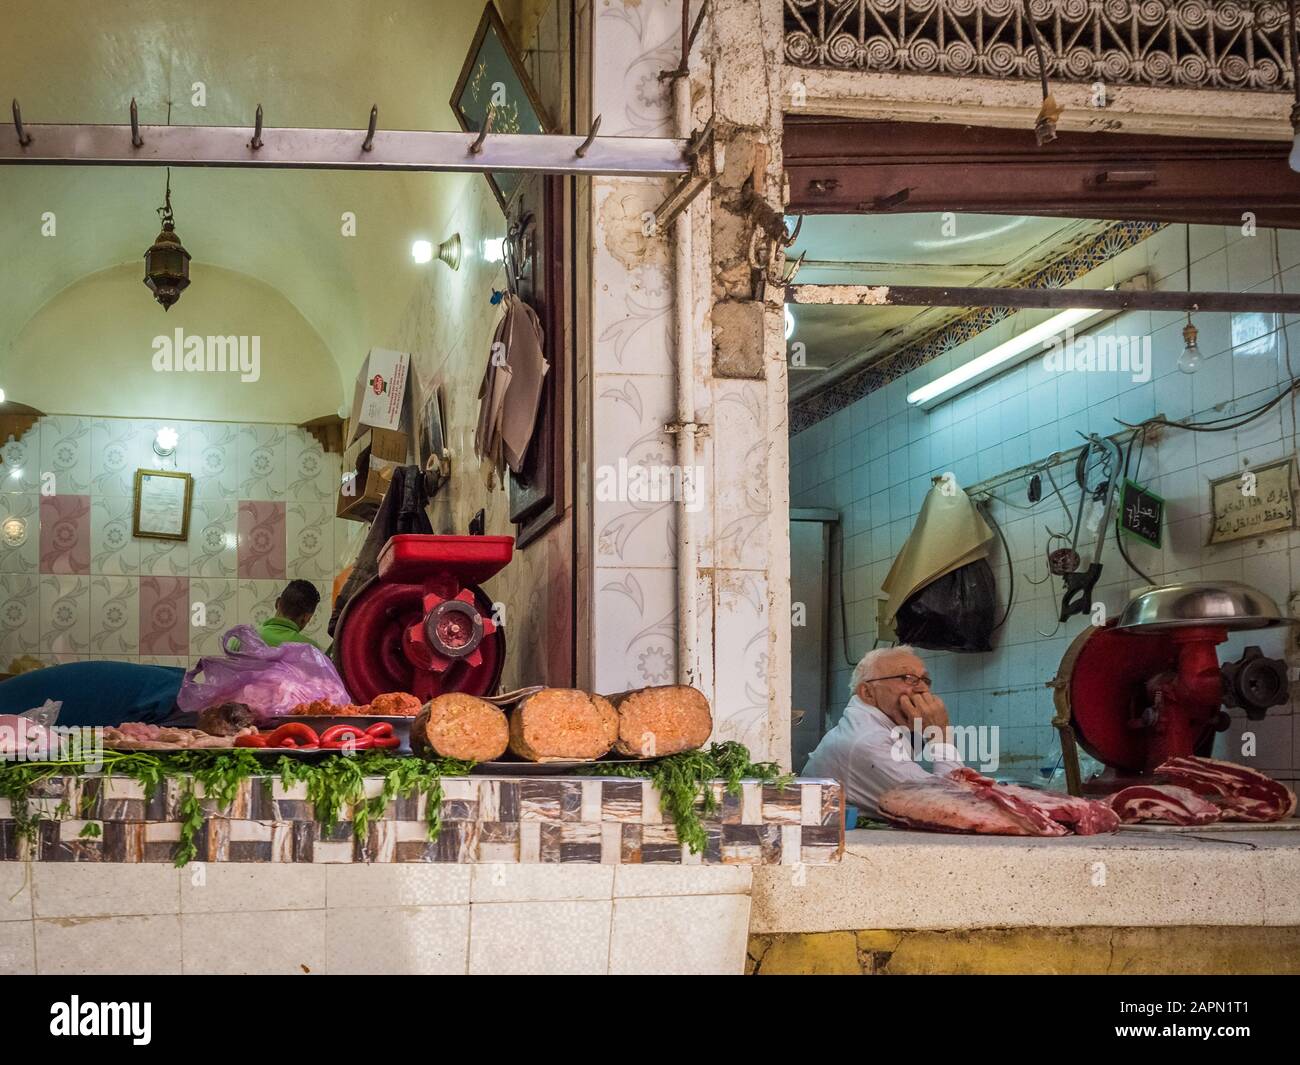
(309, 63)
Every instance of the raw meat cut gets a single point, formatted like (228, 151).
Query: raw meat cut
(1241, 794)
(945, 805)
(661, 720)
(1085, 817)
(562, 724)
(456, 725)
(964, 801)
(1167, 803)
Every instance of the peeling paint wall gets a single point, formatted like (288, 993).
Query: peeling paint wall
(737, 357)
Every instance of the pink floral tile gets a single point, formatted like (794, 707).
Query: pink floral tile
(164, 615)
(65, 534)
(262, 536)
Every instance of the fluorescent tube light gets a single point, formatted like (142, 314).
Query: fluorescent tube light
(1003, 356)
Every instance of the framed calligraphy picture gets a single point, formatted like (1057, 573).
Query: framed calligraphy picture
(1254, 502)
(493, 81)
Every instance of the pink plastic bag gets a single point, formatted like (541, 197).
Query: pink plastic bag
(270, 680)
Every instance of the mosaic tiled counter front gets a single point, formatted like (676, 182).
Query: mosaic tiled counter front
(579, 820)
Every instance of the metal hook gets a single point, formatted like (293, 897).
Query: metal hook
(477, 146)
(136, 140)
(790, 238)
(795, 268)
(581, 150)
(256, 142)
(24, 138)
(369, 142)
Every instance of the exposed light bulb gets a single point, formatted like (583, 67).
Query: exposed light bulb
(2, 395)
(1190, 360)
(422, 251)
(165, 441)
(494, 249)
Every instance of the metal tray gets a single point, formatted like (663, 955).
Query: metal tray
(503, 767)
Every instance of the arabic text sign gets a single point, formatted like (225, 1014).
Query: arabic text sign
(1254, 502)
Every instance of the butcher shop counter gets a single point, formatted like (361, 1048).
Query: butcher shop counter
(528, 874)
(1140, 899)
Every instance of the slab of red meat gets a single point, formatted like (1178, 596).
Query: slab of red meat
(1241, 794)
(1162, 802)
(1085, 817)
(947, 805)
(964, 801)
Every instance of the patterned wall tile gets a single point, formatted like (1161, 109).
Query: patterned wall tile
(211, 454)
(114, 615)
(262, 544)
(113, 550)
(310, 476)
(65, 452)
(20, 615)
(120, 447)
(740, 493)
(164, 615)
(214, 538)
(65, 614)
(219, 600)
(740, 660)
(22, 457)
(635, 638)
(262, 461)
(20, 533)
(65, 534)
(310, 540)
(635, 474)
(257, 601)
(164, 558)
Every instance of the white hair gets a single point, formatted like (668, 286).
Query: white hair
(867, 665)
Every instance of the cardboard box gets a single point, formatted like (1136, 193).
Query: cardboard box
(368, 467)
(379, 398)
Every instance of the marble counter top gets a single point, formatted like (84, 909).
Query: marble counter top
(484, 820)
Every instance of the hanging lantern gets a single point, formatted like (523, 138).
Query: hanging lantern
(167, 263)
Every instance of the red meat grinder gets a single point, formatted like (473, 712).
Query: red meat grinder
(1148, 686)
(424, 625)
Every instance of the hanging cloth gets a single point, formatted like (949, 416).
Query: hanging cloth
(510, 393)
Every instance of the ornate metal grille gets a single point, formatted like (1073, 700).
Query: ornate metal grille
(1210, 44)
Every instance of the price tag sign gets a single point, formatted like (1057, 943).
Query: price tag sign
(1257, 501)
(1141, 513)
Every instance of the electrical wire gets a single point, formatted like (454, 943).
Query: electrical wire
(987, 513)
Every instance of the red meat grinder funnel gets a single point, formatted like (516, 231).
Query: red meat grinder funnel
(423, 625)
(1149, 686)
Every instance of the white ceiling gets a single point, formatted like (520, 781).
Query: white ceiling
(903, 249)
(309, 63)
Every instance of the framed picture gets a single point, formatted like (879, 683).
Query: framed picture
(1254, 502)
(162, 505)
(493, 79)
(432, 440)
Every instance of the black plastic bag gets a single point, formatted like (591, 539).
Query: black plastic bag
(956, 612)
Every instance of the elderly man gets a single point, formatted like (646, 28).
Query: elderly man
(870, 748)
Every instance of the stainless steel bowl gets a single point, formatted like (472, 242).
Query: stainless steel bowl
(1231, 604)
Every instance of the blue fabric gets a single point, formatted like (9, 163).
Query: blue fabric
(96, 693)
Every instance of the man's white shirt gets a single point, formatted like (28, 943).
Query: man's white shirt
(864, 753)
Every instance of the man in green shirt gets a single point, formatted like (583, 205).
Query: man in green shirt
(293, 613)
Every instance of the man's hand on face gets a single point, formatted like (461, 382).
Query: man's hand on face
(926, 706)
